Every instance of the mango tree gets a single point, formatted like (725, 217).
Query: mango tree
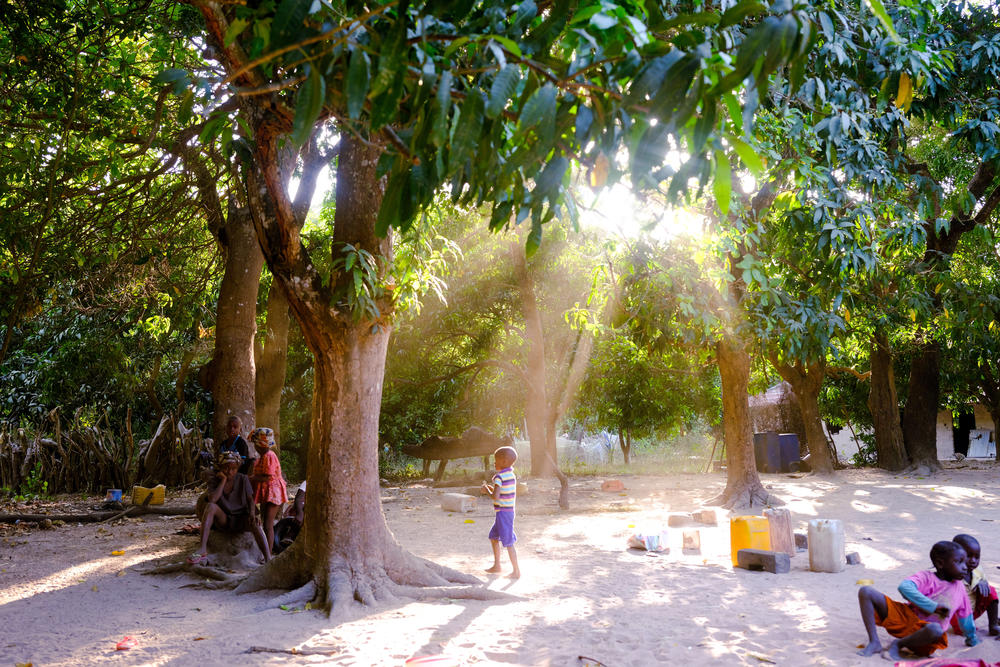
(494, 102)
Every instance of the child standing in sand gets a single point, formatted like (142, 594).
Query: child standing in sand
(982, 596)
(933, 597)
(504, 492)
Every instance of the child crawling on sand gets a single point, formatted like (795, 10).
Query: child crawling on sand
(933, 599)
(982, 596)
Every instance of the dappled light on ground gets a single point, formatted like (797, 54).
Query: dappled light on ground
(583, 592)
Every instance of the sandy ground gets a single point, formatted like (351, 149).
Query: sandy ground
(65, 600)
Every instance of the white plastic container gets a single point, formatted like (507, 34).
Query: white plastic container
(457, 502)
(826, 545)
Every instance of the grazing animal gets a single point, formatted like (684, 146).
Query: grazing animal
(473, 442)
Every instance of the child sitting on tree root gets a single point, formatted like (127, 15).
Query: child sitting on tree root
(229, 507)
(933, 597)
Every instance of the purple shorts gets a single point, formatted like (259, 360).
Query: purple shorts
(503, 529)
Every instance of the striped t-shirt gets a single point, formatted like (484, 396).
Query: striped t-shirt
(507, 483)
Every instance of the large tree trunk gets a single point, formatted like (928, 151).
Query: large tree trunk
(989, 390)
(920, 414)
(232, 371)
(347, 552)
(806, 382)
(541, 429)
(743, 486)
(884, 407)
(272, 360)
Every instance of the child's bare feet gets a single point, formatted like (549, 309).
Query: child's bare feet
(494, 570)
(892, 653)
(872, 648)
(516, 574)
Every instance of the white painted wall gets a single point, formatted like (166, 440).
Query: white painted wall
(847, 446)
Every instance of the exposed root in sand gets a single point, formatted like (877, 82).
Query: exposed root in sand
(296, 598)
(754, 495)
(220, 579)
(924, 468)
(397, 574)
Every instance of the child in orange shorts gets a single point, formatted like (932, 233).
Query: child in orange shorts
(932, 599)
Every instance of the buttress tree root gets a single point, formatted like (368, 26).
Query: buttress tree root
(745, 496)
(215, 578)
(396, 574)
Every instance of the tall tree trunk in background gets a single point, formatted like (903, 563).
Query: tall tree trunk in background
(922, 403)
(989, 391)
(232, 368)
(920, 414)
(807, 381)
(541, 432)
(743, 486)
(272, 360)
(884, 407)
(272, 348)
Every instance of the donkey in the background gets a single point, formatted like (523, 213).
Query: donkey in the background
(473, 442)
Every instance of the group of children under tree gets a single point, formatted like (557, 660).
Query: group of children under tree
(953, 595)
(232, 500)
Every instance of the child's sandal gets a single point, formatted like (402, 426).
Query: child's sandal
(197, 559)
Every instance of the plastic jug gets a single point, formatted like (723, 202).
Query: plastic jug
(748, 532)
(826, 545)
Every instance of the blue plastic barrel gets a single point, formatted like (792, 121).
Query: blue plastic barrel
(788, 446)
(767, 452)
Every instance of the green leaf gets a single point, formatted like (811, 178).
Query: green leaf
(391, 55)
(883, 16)
(311, 96)
(388, 214)
(170, 76)
(289, 21)
(508, 44)
(722, 185)
(357, 82)
(735, 112)
(534, 241)
(740, 11)
(234, 30)
(502, 89)
(184, 112)
(539, 113)
(748, 155)
(470, 124)
(439, 133)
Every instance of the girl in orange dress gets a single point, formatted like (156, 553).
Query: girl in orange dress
(268, 483)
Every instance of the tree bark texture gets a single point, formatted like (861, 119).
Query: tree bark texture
(884, 407)
(272, 361)
(920, 414)
(233, 370)
(743, 486)
(807, 381)
(541, 429)
(346, 549)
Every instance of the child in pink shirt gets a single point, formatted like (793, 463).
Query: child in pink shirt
(268, 483)
(932, 599)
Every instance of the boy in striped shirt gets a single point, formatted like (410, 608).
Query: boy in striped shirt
(504, 491)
